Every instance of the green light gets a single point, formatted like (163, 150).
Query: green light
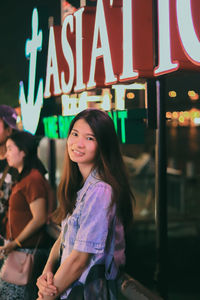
(123, 115)
(114, 118)
(62, 122)
(45, 121)
(129, 125)
(51, 127)
(63, 125)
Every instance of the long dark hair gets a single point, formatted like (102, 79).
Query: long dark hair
(109, 165)
(28, 143)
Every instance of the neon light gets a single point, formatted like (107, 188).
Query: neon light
(100, 30)
(119, 97)
(51, 127)
(132, 86)
(52, 67)
(83, 101)
(69, 105)
(64, 123)
(187, 32)
(79, 51)
(73, 104)
(45, 122)
(30, 110)
(106, 100)
(32, 102)
(31, 48)
(165, 61)
(113, 116)
(123, 115)
(128, 72)
(67, 51)
(58, 127)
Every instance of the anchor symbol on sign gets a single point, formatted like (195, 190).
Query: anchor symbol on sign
(31, 109)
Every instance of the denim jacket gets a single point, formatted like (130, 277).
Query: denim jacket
(89, 228)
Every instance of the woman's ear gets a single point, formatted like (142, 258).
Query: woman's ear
(23, 153)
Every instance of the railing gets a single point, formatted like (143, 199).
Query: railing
(182, 195)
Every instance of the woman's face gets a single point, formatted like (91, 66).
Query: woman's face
(82, 144)
(4, 132)
(14, 156)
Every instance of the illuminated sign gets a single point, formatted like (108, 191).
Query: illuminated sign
(124, 122)
(113, 43)
(30, 108)
(100, 46)
(109, 44)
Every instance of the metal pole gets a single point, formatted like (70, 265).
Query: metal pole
(161, 193)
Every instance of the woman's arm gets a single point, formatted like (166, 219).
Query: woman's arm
(69, 271)
(39, 215)
(53, 256)
(45, 281)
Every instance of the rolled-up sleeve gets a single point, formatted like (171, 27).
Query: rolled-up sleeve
(94, 221)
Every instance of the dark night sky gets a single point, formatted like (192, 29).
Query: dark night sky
(15, 28)
(13, 20)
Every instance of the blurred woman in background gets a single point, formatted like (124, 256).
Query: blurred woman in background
(27, 215)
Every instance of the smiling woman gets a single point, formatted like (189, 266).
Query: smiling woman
(95, 211)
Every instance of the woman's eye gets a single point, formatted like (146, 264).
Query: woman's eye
(89, 138)
(74, 133)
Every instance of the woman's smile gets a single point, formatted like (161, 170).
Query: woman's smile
(78, 153)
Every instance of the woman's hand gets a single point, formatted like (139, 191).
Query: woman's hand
(2, 253)
(6, 249)
(46, 286)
